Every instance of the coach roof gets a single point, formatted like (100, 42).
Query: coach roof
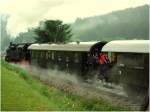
(73, 46)
(135, 46)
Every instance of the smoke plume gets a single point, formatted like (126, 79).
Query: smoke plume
(25, 13)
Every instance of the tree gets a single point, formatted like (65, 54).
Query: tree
(4, 37)
(116, 25)
(26, 37)
(52, 31)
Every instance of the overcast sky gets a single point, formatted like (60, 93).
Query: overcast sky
(27, 13)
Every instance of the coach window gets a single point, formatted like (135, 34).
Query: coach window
(59, 58)
(67, 59)
(33, 54)
(30, 53)
(41, 54)
(53, 55)
(76, 58)
(36, 54)
(46, 55)
(49, 54)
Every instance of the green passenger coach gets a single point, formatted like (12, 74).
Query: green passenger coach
(71, 57)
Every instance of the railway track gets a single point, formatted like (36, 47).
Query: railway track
(99, 90)
(114, 94)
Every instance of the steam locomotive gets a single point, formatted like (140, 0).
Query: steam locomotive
(17, 52)
(129, 60)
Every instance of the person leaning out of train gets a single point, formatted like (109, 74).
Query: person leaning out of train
(103, 65)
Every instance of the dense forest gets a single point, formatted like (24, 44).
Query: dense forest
(131, 23)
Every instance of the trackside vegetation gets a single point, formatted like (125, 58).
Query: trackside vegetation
(19, 91)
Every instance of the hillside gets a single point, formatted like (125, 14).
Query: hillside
(131, 23)
(19, 91)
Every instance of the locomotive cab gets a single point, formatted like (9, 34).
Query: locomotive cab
(17, 52)
(11, 53)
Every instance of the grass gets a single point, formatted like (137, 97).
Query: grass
(19, 91)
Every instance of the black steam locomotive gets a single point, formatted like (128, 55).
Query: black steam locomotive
(129, 60)
(17, 52)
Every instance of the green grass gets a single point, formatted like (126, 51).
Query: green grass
(19, 91)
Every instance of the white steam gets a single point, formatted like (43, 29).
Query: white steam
(27, 13)
(70, 83)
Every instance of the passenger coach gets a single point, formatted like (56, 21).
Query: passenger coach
(132, 65)
(72, 57)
